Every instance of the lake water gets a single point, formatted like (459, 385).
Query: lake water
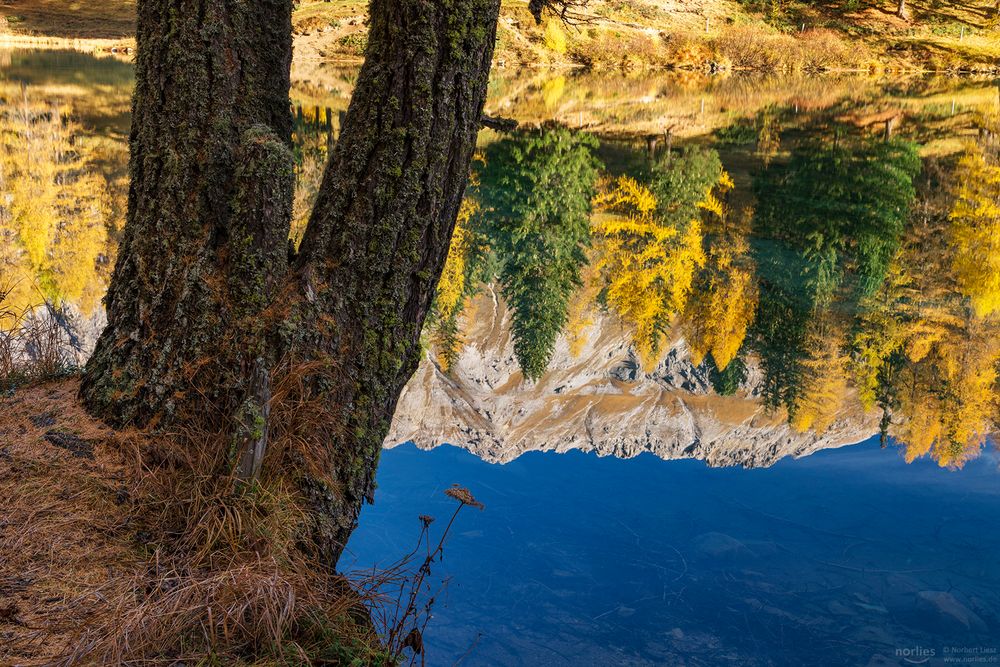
(841, 558)
(656, 383)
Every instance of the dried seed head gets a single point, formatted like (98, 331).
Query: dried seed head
(464, 496)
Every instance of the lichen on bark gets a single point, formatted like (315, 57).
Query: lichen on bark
(203, 292)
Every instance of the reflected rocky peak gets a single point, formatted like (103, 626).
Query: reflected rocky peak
(598, 399)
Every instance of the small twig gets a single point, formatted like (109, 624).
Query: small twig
(498, 124)
(469, 650)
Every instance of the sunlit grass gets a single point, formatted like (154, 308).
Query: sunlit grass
(93, 19)
(619, 33)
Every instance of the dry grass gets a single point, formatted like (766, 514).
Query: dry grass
(71, 19)
(226, 577)
(113, 552)
(607, 49)
(33, 346)
(749, 47)
(64, 545)
(933, 34)
(130, 548)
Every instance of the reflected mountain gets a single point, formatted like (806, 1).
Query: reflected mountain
(799, 297)
(599, 400)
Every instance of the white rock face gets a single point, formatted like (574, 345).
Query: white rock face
(73, 332)
(600, 401)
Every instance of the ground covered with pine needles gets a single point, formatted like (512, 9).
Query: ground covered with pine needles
(111, 554)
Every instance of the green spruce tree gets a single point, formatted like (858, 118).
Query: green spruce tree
(828, 224)
(536, 191)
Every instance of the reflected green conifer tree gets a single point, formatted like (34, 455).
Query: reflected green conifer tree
(535, 191)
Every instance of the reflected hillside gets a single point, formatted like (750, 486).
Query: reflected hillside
(854, 279)
(733, 269)
(683, 103)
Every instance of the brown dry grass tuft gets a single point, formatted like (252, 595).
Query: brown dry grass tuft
(64, 540)
(612, 49)
(33, 346)
(121, 548)
(749, 47)
(248, 612)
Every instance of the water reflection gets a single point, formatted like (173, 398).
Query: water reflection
(63, 176)
(816, 252)
(815, 281)
(843, 558)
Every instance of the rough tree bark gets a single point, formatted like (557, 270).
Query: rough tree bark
(207, 302)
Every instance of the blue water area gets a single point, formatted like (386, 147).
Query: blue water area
(849, 556)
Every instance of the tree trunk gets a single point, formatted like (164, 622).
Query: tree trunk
(901, 9)
(210, 134)
(207, 303)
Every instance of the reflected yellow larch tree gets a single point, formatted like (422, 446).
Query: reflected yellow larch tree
(824, 381)
(724, 299)
(948, 399)
(880, 332)
(649, 264)
(975, 231)
(940, 321)
(54, 208)
(453, 289)
(583, 303)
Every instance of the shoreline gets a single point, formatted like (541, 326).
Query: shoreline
(884, 65)
(127, 45)
(123, 45)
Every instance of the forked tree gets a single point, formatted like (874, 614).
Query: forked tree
(208, 303)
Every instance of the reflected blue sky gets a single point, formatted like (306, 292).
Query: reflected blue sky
(846, 557)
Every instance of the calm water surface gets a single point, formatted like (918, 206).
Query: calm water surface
(840, 558)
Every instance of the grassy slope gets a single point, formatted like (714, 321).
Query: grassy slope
(71, 19)
(628, 32)
(93, 572)
(932, 29)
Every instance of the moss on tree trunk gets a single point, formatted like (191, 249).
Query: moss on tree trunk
(205, 291)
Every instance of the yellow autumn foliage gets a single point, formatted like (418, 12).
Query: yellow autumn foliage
(552, 91)
(824, 385)
(451, 288)
(880, 332)
(723, 306)
(950, 397)
(724, 301)
(580, 313)
(921, 427)
(53, 209)
(555, 37)
(649, 266)
(975, 231)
